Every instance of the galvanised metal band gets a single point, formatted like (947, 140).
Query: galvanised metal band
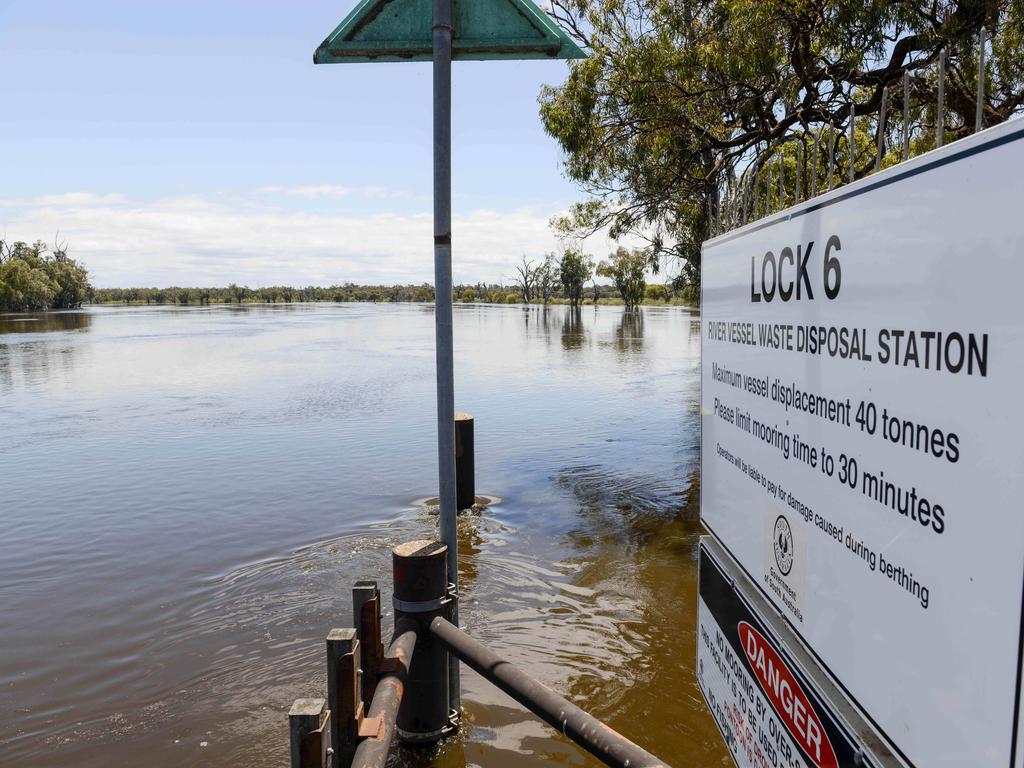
(419, 606)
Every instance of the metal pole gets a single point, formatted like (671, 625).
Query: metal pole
(980, 100)
(940, 114)
(442, 39)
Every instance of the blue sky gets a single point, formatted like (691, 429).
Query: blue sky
(196, 143)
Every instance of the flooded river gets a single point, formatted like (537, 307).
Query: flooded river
(188, 494)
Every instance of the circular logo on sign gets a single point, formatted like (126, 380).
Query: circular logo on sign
(783, 545)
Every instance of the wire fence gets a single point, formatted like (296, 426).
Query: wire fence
(911, 118)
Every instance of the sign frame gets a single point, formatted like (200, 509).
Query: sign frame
(992, 138)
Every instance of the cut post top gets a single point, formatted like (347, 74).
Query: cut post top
(416, 549)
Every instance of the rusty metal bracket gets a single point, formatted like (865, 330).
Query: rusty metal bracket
(370, 727)
(389, 665)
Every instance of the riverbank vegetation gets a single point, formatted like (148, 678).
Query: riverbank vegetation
(570, 278)
(476, 293)
(38, 277)
(274, 294)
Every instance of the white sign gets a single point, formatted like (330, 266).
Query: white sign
(863, 438)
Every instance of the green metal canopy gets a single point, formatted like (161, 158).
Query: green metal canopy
(401, 30)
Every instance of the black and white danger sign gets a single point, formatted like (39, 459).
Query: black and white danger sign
(862, 452)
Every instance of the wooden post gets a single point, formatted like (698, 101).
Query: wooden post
(465, 469)
(308, 723)
(366, 617)
(343, 694)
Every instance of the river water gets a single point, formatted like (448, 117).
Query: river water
(188, 494)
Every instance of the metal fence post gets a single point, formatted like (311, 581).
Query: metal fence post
(853, 141)
(420, 595)
(308, 725)
(782, 177)
(881, 128)
(814, 165)
(366, 617)
(940, 111)
(831, 152)
(744, 208)
(343, 694)
(906, 115)
(799, 170)
(980, 99)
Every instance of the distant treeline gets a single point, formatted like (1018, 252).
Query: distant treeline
(238, 294)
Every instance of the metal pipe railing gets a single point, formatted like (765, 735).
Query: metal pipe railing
(378, 726)
(598, 739)
(342, 730)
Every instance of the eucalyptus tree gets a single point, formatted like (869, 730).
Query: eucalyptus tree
(626, 269)
(677, 99)
(575, 268)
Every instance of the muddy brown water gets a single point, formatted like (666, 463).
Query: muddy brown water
(188, 494)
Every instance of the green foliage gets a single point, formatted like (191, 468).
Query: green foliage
(575, 269)
(468, 294)
(31, 278)
(656, 293)
(512, 298)
(626, 269)
(677, 99)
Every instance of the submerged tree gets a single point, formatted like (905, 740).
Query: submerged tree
(525, 278)
(574, 270)
(676, 99)
(626, 269)
(546, 277)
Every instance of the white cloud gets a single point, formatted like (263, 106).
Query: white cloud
(67, 198)
(333, 191)
(194, 240)
(311, 192)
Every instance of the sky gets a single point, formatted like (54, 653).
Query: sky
(195, 143)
